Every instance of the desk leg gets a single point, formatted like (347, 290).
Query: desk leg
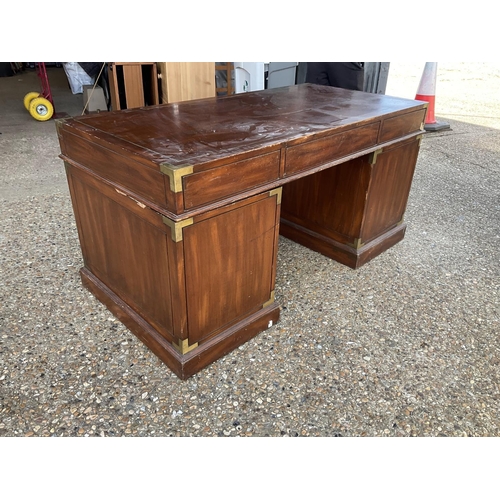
(354, 211)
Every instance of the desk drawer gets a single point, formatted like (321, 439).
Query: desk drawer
(402, 125)
(223, 182)
(320, 151)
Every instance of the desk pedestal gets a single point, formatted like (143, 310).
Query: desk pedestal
(354, 211)
(191, 290)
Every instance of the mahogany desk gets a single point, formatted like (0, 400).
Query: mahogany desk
(179, 206)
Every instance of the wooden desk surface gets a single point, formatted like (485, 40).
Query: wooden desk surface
(217, 148)
(209, 129)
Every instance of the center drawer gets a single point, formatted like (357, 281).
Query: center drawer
(320, 151)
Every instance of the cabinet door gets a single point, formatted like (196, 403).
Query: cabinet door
(230, 263)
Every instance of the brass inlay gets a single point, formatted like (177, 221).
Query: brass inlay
(357, 243)
(183, 346)
(59, 123)
(270, 301)
(176, 174)
(176, 227)
(277, 192)
(373, 156)
(422, 126)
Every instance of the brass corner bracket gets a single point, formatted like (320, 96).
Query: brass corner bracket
(176, 174)
(183, 346)
(372, 159)
(59, 122)
(270, 301)
(357, 243)
(176, 227)
(276, 192)
(426, 107)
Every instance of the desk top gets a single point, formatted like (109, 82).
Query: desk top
(219, 148)
(208, 129)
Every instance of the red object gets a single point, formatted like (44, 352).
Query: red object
(431, 99)
(41, 72)
(427, 92)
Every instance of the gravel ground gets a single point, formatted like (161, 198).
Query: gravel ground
(405, 346)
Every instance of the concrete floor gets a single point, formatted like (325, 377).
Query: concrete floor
(24, 138)
(408, 345)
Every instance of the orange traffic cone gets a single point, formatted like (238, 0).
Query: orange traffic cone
(427, 92)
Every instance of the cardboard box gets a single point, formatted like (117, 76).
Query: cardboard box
(95, 98)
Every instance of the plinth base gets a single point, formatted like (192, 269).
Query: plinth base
(345, 254)
(183, 365)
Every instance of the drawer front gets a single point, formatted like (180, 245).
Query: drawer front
(402, 125)
(223, 182)
(146, 182)
(320, 151)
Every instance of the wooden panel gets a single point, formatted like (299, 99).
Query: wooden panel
(154, 91)
(401, 125)
(146, 182)
(229, 266)
(321, 151)
(134, 89)
(218, 183)
(127, 253)
(389, 189)
(109, 190)
(113, 87)
(184, 81)
(133, 84)
(330, 202)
